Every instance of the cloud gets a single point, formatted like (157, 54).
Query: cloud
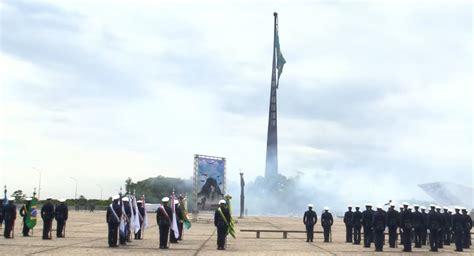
(372, 92)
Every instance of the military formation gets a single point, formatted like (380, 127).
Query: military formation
(413, 225)
(49, 213)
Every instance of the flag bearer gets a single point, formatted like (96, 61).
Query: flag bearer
(61, 214)
(310, 218)
(221, 221)
(24, 213)
(114, 213)
(163, 219)
(326, 222)
(141, 216)
(47, 214)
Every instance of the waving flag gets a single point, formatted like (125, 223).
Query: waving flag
(31, 213)
(136, 219)
(145, 218)
(231, 222)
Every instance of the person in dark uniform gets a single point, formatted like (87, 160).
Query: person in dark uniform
(114, 213)
(24, 213)
(141, 216)
(310, 218)
(124, 236)
(379, 223)
(424, 227)
(348, 223)
(326, 223)
(458, 227)
(181, 217)
(400, 229)
(467, 229)
(434, 224)
(367, 217)
(417, 221)
(1, 212)
(446, 226)
(163, 219)
(357, 224)
(392, 223)
(173, 238)
(406, 226)
(61, 215)
(9, 217)
(221, 221)
(47, 214)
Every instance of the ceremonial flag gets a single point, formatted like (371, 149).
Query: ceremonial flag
(136, 220)
(31, 213)
(184, 211)
(174, 222)
(278, 59)
(133, 214)
(122, 225)
(145, 218)
(231, 222)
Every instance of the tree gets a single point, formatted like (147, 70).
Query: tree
(19, 195)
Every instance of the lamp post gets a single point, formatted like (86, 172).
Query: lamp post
(75, 193)
(100, 190)
(39, 183)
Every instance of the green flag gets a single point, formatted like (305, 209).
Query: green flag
(31, 213)
(280, 59)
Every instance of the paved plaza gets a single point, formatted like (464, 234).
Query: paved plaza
(86, 234)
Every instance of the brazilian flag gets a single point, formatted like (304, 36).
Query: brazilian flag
(31, 213)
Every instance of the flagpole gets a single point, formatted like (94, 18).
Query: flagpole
(274, 49)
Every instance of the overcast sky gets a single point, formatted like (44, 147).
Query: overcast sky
(373, 92)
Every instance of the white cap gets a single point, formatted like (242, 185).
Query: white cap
(12, 198)
(416, 206)
(176, 202)
(368, 204)
(438, 207)
(28, 199)
(379, 206)
(405, 204)
(125, 199)
(392, 204)
(349, 206)
(115, 197)
(357, 206)
(165, 199)
(49, 198)
(139, 201)
(326, 208)
(310, 205)
(423, 208)
(446, 208)
(401, 206)
(62, 200)
(432, 206)
(222, 201)
(463, 208)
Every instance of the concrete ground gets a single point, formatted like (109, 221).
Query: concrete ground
(86, 233)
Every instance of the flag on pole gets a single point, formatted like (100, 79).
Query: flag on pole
(145, 218)
(184, 211)
(231, 230)
(174, 224)
(122, 225)
(278, 59)
(136, 220)
(31, 213)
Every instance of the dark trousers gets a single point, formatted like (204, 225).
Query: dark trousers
(418, 232)
(309, 232)
(138, 235)
(458, 235)
(434, 240)
(447, 236)
(8, 228)
(123, 235)
(180, 229)
(26, 229)
(47, 228)
(348, 233)
(392, 236)
(356, 234)
(407, 239)
(424, 233)
(440, 238)
(113, 234)
(164, 230)
(378, 240)
(221, 235)
(327, 231)
(60, 228)
(367, 236)
(466, 243)
(173, 238)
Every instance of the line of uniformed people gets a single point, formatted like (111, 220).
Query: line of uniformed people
(414, 226)
(48, 213)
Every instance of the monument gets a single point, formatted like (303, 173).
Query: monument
(271, 165)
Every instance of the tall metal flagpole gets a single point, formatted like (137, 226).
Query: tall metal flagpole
(271, 165)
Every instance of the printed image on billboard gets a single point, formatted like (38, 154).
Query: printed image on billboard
(209, 181)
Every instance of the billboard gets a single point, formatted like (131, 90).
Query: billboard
(209, 181)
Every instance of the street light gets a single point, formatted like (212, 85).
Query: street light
(39, 183)
(100, 190)
(75, 193)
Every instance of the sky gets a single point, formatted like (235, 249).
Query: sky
(375, 97)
